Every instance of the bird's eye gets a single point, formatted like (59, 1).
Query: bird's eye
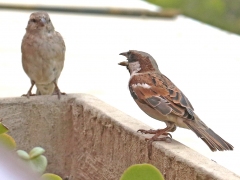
(129, 54)
(49, 20)
(33, 20)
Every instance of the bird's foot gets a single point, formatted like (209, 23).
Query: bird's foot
(151, 140)
(156, 137)
(167, 138)
(151, 131)
(59, 93)
(28, 95)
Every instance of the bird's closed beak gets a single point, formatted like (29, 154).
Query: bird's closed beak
(124, 54)
(43, 21)
(123, 63)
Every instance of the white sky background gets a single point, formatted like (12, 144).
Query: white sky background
(203, 61)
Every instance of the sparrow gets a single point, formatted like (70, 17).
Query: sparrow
(159, 98)
(43, 54)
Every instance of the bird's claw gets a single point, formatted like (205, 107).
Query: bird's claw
(150, 131)
(28, 95)
(59, 93)
(167, 138)
(168, 135)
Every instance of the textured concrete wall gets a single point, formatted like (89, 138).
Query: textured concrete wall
(86, 139)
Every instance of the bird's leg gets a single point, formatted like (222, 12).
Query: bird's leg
(57, 91)
(157, 133)
(29, 93)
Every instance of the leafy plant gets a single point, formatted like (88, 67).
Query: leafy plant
(49, 176)
(34, 159)
(142, 172)
(224, 14)
(38, 162)
(5, 139)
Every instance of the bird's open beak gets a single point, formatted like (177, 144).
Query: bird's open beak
(123, 63)
(124, 54)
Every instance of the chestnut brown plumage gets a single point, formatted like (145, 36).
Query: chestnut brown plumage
(159, 98)
(43, 54)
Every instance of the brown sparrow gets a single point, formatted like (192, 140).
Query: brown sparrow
(43, 54)
(159, 98)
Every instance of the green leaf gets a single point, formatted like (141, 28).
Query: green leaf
(3, 128)
(34, 159)
(168, 3)
(23, 154)
(7, 141)
(35, 152)
(142, 172)
(39, 164)
(49, 176)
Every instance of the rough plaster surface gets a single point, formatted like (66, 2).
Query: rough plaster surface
(86, 139)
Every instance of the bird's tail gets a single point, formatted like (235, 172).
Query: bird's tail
(45, 89)
(214, 141)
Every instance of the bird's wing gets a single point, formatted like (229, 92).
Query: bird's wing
(61, 41)
(158, 92)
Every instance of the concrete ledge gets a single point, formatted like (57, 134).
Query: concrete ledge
(87, 139)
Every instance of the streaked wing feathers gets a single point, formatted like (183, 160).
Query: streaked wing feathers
(159, 104)
(160, 93)
(176, 95)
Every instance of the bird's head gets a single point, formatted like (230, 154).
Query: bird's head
(40, 21)
(138, 61)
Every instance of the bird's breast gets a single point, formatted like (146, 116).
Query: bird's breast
(42, 59)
